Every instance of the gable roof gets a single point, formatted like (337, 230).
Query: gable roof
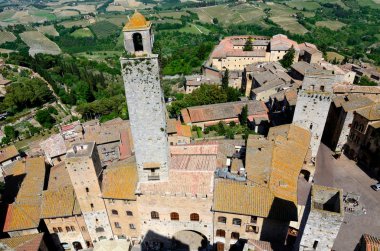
(371, 113)
(54, 146)
(59, 203)
(120, 181)
(8, 153)
(31, 242)
(22, 216)
(222, 111)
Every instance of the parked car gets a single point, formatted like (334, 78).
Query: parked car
(376, 187)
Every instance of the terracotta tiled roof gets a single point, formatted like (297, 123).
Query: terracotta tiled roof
(195, 149)
(345, 88)
(237, 197)
(193, 162)
(59, 177)
(8, 153)
(171, 126)
(181, 183)
(136, 22)
(120, 181)
(59, 203)
(282, 43)
(183, 130)
(370, 243)
(222, 111)
(33, 183)
(30, 242)
(125, 146)
(22, 216)
(257, 245)
(371, 113)
(54, 146)
(352, 102)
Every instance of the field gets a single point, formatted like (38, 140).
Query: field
(332, 25)
(48, 30)
(66, 13)
(300, 5)
(370, 3)
(226, 15)
(80, 23)
(99, 55)
(118, 20)
(173, 14)
(6, 36)
(82, 8)
(331, 55)
(284, 17)
(84, 32)
(196, 29)
(104, 29)
(38, 43)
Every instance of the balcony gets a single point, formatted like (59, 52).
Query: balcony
(154, 177)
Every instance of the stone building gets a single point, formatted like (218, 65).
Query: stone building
(118, 191)
(61, 213)
(54, 148)
(178, 134)
(313, 103)
(324, 220)
(363, 142)
(263, 201)
(229, 54)
(193, 82)
(339, 119)
(208, 115)
(85, 171)
(8, 155)
(145, 100)
(23, 215)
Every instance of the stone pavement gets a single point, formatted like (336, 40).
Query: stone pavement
(344, 173)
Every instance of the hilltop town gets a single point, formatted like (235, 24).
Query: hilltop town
(269, 147)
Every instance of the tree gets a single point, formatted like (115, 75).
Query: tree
(366, 81)
(10, 132)
(288, 58)
(248, 45)
(244, 115)
(225, 79)
(45, 119)
(215, 20)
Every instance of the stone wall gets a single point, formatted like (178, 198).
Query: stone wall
(147, 40)
(147, 114)
(184, 206)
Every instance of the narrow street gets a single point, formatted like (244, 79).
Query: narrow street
(344, 173)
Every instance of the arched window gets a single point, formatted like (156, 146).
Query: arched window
(174, 216)
(115, 212)
(72, 228)
(220, 233)
(222, 219)
(83, 229)
(87, 190)
(236, 221)
(137, 42)
(55, 230)
(235, 235)
(154, 215)
(68, 229)
(129, 213)
(194, 217)
(60, 229)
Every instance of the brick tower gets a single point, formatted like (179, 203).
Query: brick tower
(145, 100)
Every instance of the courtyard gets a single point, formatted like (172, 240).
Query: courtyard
(344, 173)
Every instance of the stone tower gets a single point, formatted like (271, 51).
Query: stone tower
(85, 171)
(324, 220)
(145, 99)
(313, 104)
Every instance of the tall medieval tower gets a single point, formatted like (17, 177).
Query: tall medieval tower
(145, 99)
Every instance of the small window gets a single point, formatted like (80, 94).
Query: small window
(83, 229)
(154, 215)
(194, 217)
(117, 225)
(315, 245)
(72, 228)
(174, 216)
(99, 229)
(254, 218)
(220, 233)
(236, 221)
(129, 213)
(68, 229)
(235, 235)
(87, 190)
(92, 206)
(60, 229)
(115, 212)
(55, 230)
(132, 226)
(311, 126)
(322, 88)
(222, 219)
